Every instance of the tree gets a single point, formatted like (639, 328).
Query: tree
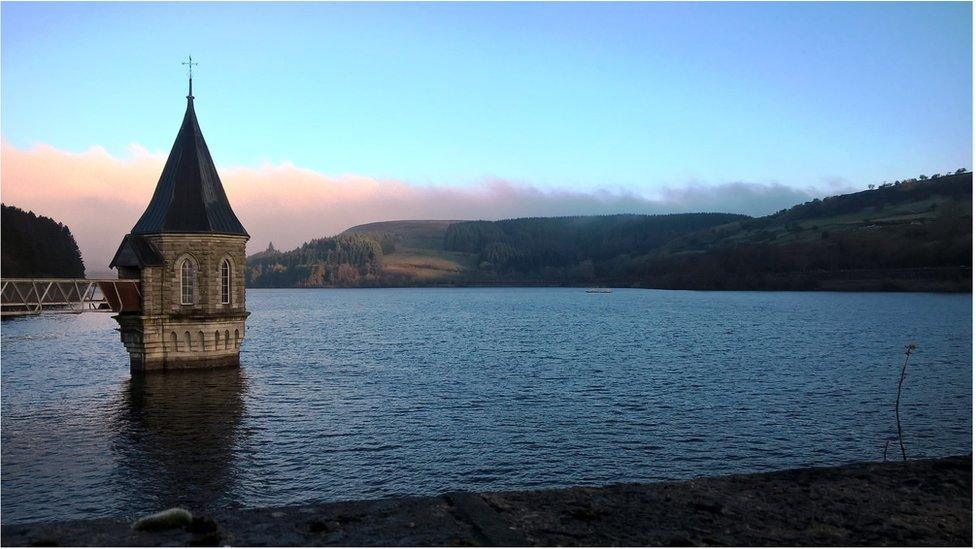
(37, 246)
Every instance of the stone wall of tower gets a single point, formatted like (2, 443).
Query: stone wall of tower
(207, 333)
(207, 251)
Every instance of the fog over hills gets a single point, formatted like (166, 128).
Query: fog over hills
(907, 235)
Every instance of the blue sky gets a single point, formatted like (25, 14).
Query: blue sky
(575, 96)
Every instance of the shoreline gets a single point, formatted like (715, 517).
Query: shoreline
(615, 287)
(939, 280)
(922, 502)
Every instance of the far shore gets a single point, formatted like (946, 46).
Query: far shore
(922, 289)
(924, 502)
(919, 280)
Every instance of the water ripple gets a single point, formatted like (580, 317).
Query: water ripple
(351, 394)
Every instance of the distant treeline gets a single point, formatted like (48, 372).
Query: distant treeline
(903, 232)
(344, 260)
(914, 234)
(574, 247)
(958, 186)
(37, 246)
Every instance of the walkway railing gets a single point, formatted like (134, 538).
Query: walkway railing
(29, 296)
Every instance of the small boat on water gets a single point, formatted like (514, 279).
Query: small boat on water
(599, 290)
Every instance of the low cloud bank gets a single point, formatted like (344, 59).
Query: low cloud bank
(100, 197)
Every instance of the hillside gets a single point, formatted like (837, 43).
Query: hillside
(909, 235)
(36, 246)
(418, 255)
(571, 249)
(414, 234)
(344, 260)
(434, 252)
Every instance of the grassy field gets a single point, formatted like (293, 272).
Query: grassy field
(417, 234)
(428, 265)
(420, 254)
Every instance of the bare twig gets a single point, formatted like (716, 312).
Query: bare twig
(909, 349)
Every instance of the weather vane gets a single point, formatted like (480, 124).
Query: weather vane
(189, 70)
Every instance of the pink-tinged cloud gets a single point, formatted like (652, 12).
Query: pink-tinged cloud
(100, 197)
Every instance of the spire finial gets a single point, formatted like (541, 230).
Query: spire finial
(189, 71)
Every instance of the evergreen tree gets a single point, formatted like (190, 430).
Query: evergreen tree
(36, 246)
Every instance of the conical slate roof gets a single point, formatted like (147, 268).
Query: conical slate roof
(189, 197)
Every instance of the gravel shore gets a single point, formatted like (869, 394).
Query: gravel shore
(923, 502)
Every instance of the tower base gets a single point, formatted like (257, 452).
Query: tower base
(162, 343)
(138, 364)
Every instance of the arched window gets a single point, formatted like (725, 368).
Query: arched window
(175, 341)
(189, 342)
(226, 339)
(217, 340)
(188, 275)
(225, 281)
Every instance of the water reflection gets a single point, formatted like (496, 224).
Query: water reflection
(358, 394)
(176, 441)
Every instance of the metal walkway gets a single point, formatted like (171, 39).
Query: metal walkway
(31, 296)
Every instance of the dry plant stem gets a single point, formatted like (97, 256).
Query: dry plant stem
(904, 366)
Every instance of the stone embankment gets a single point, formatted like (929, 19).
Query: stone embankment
(924, 502)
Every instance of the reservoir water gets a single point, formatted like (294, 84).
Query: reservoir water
(353, 394)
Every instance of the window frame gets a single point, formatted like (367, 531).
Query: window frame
(188, 275)
(225, 281)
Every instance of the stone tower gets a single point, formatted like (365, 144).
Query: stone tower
(187, 250)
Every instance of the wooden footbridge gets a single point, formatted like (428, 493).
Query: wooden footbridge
(31, 296)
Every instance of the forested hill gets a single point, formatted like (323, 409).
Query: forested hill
(907, 235)
(345, 260)
(914, 234)
(36, 246)
(571, 246)
(435, 252)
